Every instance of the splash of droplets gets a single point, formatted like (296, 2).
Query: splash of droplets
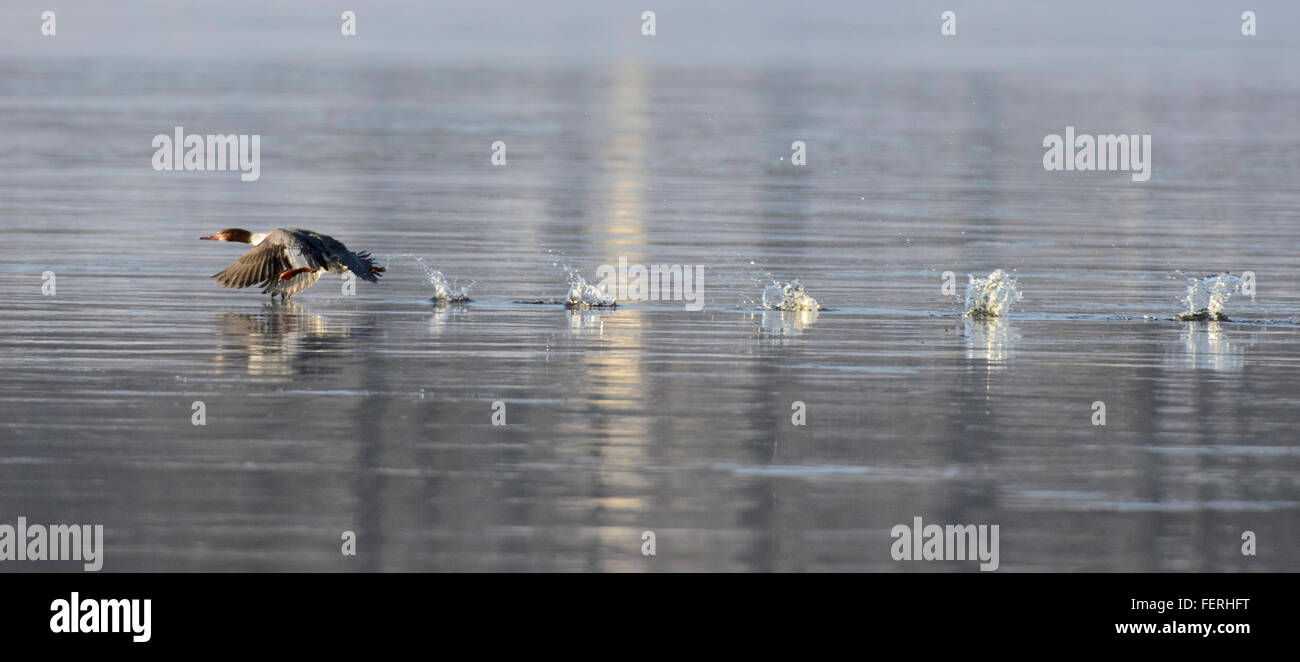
(444, 290)
(1207, 296)
(993, 296)
(583, 294)
(788, 295)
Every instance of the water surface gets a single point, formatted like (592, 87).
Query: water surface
(373, 412)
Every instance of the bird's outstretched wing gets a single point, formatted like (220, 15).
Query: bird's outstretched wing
(259, 266)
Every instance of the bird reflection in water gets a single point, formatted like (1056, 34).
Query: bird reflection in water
(271, 341)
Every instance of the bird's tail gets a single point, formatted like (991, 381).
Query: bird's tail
(363, 265)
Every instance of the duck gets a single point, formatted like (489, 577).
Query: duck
(286, 261)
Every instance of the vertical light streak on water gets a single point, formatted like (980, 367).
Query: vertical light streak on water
(616, 365)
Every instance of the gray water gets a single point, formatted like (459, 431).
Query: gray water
(373, 412)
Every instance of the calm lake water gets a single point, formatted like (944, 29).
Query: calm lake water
(373, 412)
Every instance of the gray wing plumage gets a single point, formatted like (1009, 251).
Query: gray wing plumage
(258, 266)
(332, 250)
(292, 248)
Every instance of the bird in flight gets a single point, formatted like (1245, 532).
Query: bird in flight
(286, 261)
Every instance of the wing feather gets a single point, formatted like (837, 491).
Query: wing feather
(333, 250)
(257, 267)
(284, 249)
(360, 264)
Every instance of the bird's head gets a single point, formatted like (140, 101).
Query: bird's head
(232, 234)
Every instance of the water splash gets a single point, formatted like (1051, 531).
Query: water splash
(993, 296)
(583, 294)
(444, 290)
(1207, 296)
(781, 295)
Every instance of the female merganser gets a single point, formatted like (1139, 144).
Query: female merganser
(286, 261)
